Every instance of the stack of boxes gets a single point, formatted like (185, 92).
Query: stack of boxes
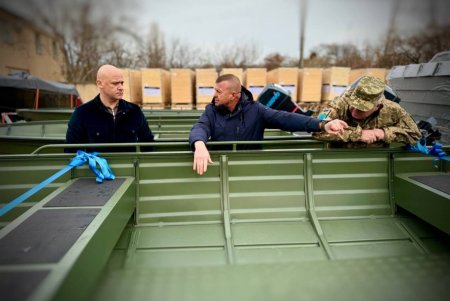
(310, 85)
(205, 80)
(136, 85)
(376, 72)
(334, 82)
(155, 88)
(126, 84)
(155, 85)
(182, 88)
(132, 86)
(285, 77)
(87, 91)
(239, 72)
(255, 79)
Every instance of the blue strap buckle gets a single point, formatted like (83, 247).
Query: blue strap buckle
(104, 173)
(435, 150)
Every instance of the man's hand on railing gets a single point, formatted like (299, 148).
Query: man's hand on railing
(201, 158)
(371, 136)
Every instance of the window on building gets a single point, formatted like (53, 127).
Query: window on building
(55, 49)
(38, 43)
(8, 36)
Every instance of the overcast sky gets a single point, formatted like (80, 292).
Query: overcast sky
(271, 25)
(274, 25)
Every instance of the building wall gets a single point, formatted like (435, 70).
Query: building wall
(24, 47)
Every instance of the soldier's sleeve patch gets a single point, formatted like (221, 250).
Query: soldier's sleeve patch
(323, 115)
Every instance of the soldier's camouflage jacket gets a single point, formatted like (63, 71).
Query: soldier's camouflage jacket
(398, 125)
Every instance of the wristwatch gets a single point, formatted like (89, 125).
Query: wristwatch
(322, 124)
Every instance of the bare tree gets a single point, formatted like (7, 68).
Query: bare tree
(416, 48)
(156, 48)
(315, 61)
(84, 49)
(237, 55)
(273, 61)
(121, 56)
(181, 54)
(340, 55)
(86, 32)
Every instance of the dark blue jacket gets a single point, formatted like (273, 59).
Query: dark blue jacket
(247, 122)
(92, 123)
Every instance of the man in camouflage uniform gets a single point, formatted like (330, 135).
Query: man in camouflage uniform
(372, 120)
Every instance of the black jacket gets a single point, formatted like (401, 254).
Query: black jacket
(247, 122)
(92, 123)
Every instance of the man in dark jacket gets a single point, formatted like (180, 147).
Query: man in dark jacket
(108, 118)
(234, 116)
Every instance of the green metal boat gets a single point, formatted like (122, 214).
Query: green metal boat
(64, 114)
(25, 137)
(273, 224)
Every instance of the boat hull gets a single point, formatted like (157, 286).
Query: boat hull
(424, 90)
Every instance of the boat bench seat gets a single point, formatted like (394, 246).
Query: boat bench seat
(426, 195)
(67, 236)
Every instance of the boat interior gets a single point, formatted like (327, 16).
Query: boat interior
(283, 223)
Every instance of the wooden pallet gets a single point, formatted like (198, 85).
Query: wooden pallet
(182, 106)
(153, 106)
(313, 106)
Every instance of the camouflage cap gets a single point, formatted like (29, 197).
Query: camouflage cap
(367, 93)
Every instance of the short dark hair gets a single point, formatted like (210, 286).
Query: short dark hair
(233, 79)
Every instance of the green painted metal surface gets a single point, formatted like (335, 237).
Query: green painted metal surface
(276, 224)
(20, 174)
(64, 114)
(429, 204)
(395, 278)
(74, 276)
(23, 138)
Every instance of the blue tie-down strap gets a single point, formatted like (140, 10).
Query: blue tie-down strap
(435, 150)
(104, 173)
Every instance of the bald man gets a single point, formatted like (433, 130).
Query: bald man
(108, 118)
